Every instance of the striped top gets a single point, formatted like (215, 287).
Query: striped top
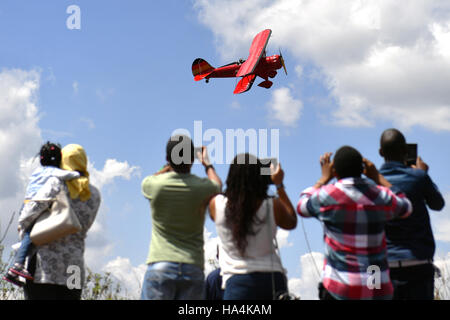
(354, 212)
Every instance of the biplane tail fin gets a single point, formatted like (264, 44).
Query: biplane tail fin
(201, 69)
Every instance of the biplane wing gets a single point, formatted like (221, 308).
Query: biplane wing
(256, 52)
(245, 84)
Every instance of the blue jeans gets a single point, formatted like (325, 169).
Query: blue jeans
(173, 281)
(255, 286)
(25, 245)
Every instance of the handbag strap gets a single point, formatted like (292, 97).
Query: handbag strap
(274, 246)
(40, 200)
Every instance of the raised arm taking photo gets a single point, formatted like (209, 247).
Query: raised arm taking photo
(284, 211)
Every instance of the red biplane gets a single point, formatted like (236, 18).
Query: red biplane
(257, 64)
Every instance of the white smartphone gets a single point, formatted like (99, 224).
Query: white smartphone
(269, 166)
(198, 151)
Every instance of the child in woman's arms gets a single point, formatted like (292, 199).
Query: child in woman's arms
(50, 159)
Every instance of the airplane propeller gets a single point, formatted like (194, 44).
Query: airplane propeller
(282, 62)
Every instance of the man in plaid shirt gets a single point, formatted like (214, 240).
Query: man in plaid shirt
(354, 211)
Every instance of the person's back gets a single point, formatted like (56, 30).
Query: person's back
(178, 202)
(178, 216)
(410, 242)
(412, 238)
(354, 215)
(259, 255)
(246, 223)
(354, 211)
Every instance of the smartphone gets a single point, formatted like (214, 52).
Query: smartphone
(411, 154)
(198, 151)
(266, 169)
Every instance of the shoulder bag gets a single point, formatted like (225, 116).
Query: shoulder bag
(57, 222)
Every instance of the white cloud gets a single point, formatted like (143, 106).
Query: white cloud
(111, 170)
(380, 60)
(299, 71)
(284, 108)
(20, 135)
(129, 277)
(442, 229)
(99, 247)
(442, 283)
(20, 139)
(306, 286)
(282, 239)
(441, 222)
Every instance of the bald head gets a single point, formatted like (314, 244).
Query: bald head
(393, 145)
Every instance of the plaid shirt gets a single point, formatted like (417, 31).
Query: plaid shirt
(354, 212)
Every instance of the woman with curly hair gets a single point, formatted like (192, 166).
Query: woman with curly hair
(246, 222)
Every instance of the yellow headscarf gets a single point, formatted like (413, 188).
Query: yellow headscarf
(74, 158)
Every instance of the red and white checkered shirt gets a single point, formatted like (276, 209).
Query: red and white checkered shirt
(354, 212)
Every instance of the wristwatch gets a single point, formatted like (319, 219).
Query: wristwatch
(208, 166)
(279, 186)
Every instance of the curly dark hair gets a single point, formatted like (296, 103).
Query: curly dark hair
(246, 189)
(50, 154)
(348, 162)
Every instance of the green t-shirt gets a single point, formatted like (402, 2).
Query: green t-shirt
(178, 203)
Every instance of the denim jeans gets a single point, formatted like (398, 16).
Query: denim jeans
(173, 281)
(24, 249)
(255, 286)
(413, 283)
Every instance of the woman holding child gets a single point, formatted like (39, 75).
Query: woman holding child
(58, 267)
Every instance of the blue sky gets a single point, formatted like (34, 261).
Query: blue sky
(122, 84)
